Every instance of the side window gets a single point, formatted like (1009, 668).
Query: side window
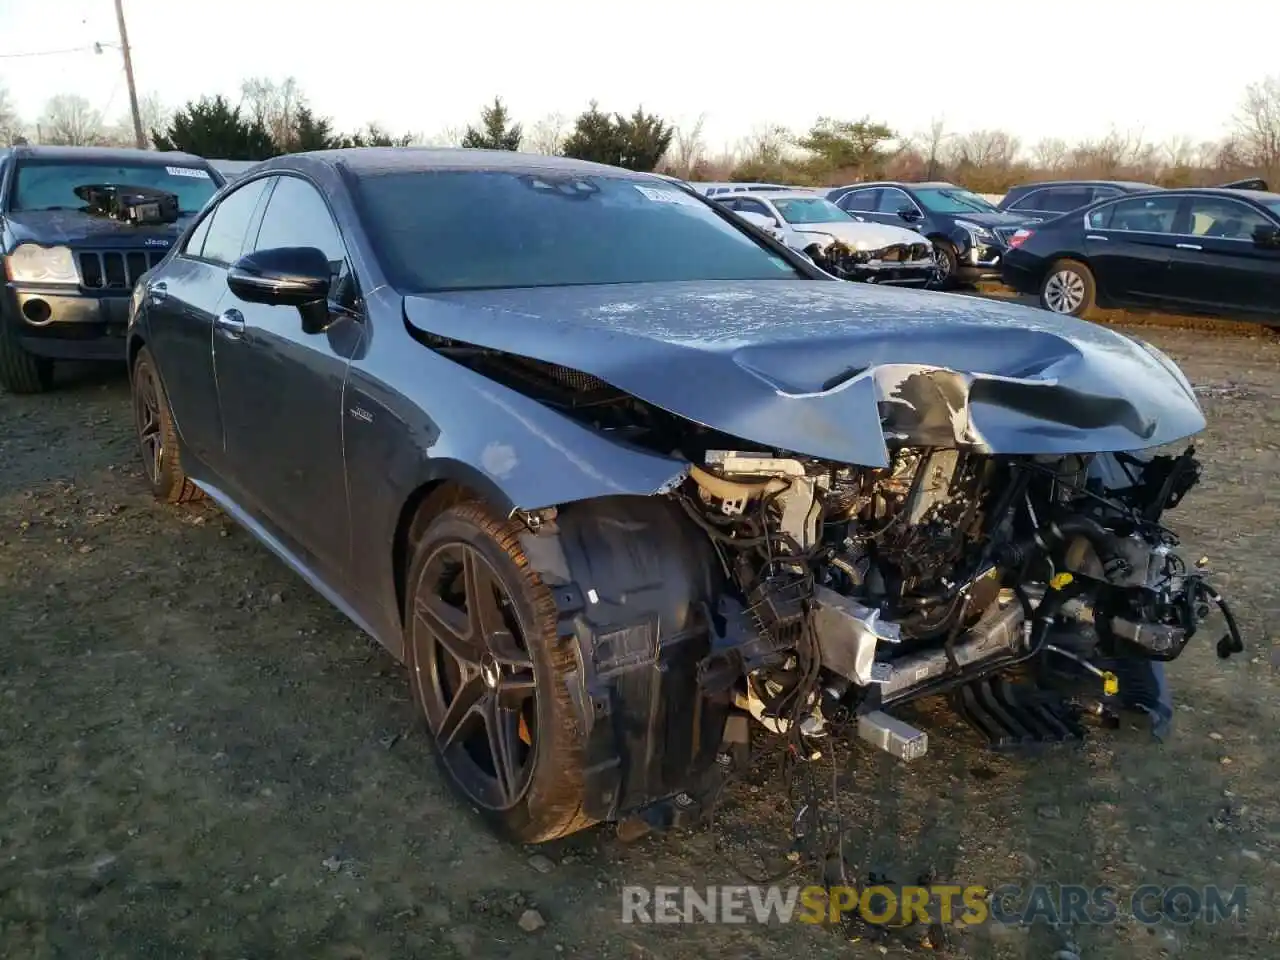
(225, 239)
(1140, 214)
(1029, 201)
(1106, 193)
(747, 205)
(860, 200)
(298, 217)
(194, 246)
(1224, 219)
(1064, 199)
(891, 201)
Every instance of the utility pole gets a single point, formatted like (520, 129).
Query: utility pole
(128, 75)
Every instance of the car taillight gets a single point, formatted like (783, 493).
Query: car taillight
(1019, 238)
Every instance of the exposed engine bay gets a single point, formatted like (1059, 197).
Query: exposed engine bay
(863, 588)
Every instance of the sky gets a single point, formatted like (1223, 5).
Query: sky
(1036, 68)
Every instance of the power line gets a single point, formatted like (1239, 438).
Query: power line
(47, 53)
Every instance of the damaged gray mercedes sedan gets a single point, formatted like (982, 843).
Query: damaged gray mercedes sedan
(618, 476)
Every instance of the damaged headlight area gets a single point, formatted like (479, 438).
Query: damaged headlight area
(891, 263)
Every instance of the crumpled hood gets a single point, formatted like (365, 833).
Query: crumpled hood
(74, 228)
(861, 236)
(840, 370)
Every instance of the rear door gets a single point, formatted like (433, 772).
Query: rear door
(280, 391)
(183, 300)
(1217, 266)
(860, 203)
(1130, 244)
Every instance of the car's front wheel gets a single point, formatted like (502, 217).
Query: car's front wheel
(491, 675)
(157, 438)
(1068, 288)
(946, 259)
(20, 372)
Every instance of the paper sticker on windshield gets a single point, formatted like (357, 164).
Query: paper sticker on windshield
(666, 196)
(187, 172)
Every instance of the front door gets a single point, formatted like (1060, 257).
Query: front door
(280, 391)
(1218, 267)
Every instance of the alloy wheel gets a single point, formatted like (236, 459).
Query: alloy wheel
(1064, 292)
(146, 412)
(474, 676)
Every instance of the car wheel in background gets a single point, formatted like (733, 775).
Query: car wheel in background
(157, 439)
(20, 372)
(491, 675)
(945, 254)
(1068, 288)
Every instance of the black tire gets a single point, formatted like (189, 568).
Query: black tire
(948, 259)
(157, 439)
(20, 372)
(1068, 289)
(542, 798)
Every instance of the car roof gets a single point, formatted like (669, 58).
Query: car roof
(788, 194)
(104, 155)
(1125, 184)
(374, 161)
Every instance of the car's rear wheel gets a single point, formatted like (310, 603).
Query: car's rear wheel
(20, 372)
(1068, 288)
(157, 438)
(492, 675)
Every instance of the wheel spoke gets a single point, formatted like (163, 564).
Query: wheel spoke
(487, 626)
(450, 628)
(516, 688)
(503, 728)
(157, 453)
(467, 704)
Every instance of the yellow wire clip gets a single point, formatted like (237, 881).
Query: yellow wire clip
(1110, 683)
(1060, 580)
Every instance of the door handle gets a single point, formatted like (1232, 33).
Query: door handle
(158, 291)
(231, 323)
(1190, 246)
(1094, 236)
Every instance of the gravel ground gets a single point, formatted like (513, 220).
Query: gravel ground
(202, 759)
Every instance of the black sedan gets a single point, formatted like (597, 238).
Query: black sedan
(1034, 202)
(615, 473)
(968, 233)
(1211, 251)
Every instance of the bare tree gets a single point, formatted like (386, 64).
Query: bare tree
(1258, 125)
(10, 123)
(989, 149)
(450, 136)
(70, 121)
(547, 135)
(1179, 151)
(1051, 154)
(929, 145)
(274, 105)
(688, 149)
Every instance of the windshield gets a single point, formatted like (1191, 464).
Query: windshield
(480, 230)
(952, 200)
(806, 210)
(1273, 205)
(50, 185)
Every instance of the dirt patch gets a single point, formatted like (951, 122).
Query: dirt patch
(203, 759)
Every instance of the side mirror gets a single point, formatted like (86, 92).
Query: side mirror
(286, 277)
(1267, 237)
(909, 213)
